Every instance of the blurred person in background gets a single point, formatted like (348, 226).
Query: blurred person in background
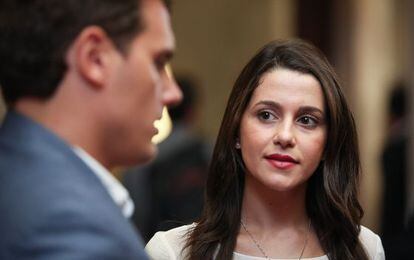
(394, 166)
(84, 82)
(171, 188)
(398, 231)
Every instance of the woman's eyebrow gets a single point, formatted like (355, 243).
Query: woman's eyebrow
(311, 109)
(269, 103)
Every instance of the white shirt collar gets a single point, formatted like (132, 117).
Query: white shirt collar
(115, 189)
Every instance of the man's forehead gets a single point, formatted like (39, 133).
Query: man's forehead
(157, 24)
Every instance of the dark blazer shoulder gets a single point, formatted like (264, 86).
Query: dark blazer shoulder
(53, 206)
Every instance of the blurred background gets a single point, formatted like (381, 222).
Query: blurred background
(370, 44)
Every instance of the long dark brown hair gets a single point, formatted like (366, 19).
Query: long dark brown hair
(331, 196)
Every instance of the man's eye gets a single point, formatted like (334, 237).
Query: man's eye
(160, 64)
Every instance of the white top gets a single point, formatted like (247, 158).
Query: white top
(168, 245)
(115, 189)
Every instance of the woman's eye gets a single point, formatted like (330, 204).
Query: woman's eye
(308, 121)
(266, 115)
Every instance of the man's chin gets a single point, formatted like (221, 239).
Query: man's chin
(148, 156)
(135, 156)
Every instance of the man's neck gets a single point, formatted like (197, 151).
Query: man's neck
(67, 121)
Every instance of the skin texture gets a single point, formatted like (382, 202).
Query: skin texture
(285, 116)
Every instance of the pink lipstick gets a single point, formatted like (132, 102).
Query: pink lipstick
(281, 161)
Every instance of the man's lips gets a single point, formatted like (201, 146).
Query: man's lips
(281, 161)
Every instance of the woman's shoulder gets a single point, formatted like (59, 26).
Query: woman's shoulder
(168, 244)
(372, 243)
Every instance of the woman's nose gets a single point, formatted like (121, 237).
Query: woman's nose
(284, 135)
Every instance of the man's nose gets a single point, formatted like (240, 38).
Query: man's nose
(172, 94)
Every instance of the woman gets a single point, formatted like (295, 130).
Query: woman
(285, 169)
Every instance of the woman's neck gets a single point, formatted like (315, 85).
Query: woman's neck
(266, 208)
(275, 223)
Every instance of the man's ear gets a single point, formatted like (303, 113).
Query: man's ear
(90, 55)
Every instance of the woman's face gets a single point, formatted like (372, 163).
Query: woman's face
(283, 130)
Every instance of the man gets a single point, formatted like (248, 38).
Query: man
(394, 167)
(83, 82)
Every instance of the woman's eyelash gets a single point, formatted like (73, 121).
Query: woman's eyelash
(306, 120)
(309, 120)
(265, 115)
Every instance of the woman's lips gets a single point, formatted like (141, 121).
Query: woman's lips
(281, 161)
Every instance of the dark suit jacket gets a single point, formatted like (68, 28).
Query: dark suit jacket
(52, 206)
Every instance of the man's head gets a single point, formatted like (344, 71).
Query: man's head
(139, 86)
(102, 58)
(36, 35)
